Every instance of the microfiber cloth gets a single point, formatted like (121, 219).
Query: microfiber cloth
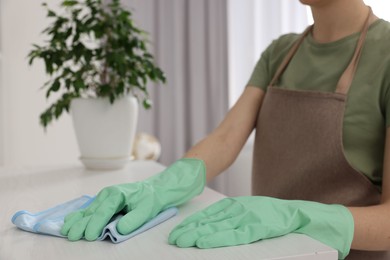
(50, 221)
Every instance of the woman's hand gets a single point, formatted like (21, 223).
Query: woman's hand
(140, 201)
(242, 220)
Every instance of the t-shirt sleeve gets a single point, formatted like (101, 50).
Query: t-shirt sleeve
(387, 110)
(261, 74)
(386, 100)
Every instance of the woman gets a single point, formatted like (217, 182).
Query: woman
(320, 103)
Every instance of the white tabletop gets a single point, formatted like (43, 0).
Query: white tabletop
(40, 188)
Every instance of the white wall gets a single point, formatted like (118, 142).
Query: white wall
(380, 8)
(22, 139)
(253, 24)
(1, 91)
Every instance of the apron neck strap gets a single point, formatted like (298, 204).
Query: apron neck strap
(289, 56)
(346, 78)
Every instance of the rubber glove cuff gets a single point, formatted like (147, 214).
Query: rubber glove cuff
(342, 224)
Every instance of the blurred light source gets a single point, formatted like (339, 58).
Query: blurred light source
(380, 7)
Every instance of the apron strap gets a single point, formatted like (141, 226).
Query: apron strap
(346, 78)
(289, 56)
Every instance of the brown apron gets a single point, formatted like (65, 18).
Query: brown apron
(298, 151)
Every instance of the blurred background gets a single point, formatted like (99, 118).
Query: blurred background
(207, 48)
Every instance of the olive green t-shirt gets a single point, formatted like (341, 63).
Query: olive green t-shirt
(318, 67)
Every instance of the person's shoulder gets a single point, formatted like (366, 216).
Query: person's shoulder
(280, 46)
(378, 38)
(377, 42)
(284, 42)
(288, 39)
(379, 31)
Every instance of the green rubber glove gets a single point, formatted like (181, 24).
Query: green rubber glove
(140, 201)
(242, 220)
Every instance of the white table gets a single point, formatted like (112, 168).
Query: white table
(38, 189)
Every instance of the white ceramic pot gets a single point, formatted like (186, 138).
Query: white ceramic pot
(105, 132)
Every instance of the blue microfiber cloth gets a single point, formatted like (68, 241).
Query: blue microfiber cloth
(50, 221)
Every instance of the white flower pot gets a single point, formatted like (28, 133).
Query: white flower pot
(105, 132)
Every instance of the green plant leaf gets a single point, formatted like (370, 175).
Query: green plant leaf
(68, 84)
(69, 3)
(45, 118)
(147, 103)
(58, 111)
(51, 13)
(79, 84)
(54, 88)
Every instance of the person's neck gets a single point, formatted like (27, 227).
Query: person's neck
(338, 19)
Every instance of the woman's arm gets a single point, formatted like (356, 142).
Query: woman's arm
(220, 148)
(372, 224)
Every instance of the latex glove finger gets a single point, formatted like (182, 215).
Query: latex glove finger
(213, 213)
(230, 237)
(236, 226)
(76, 216)
(241, 234)
(191, 236)
(76, 232)
(97, 202)
(204, 213)
(102, 216)
(70, 220)
(134, 219)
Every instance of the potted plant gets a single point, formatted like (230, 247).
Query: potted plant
(99, 66)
